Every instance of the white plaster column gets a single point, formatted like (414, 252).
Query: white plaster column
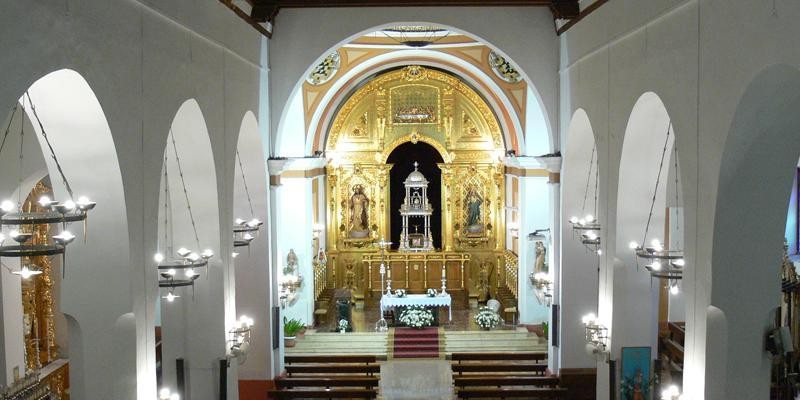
(12, 343)
(275, 168)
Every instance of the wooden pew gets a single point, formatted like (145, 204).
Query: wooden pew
(333, 369)
(367, 382)
(324, 394)
(537, 369)
(501, 356)
(499, 381)
(342, 359)
(504, 393)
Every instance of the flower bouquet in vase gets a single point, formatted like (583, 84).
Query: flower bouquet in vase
(486, 318)
(431, 292)
(416, 317)
(400, 293)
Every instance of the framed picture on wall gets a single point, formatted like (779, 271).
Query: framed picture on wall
(636, 370)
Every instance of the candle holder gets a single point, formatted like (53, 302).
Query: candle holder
(444, 287)
(388, 287)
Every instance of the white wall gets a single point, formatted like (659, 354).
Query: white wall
(142, 60)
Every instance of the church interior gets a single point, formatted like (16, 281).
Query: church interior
(422, 199)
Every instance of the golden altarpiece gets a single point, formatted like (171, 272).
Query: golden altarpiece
(39, 305)
(414, 104)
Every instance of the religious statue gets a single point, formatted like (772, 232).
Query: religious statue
(541, 254)
(359, 206)
(473, 202)
(291, 263)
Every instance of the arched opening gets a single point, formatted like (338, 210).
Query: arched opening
(758, 168)
(649, 211)
(403, 158)
(70, 114)
(188, 219)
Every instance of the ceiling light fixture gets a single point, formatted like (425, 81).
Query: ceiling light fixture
(661, 262)
(416, 36)
(187, 260)
(48, 211)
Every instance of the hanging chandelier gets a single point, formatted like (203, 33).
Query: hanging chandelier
(586, 228)
(20, 223)
(661, 262)
(244, 231)
(178, 270)
(416, 35)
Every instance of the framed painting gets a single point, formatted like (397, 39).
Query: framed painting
(636, 370)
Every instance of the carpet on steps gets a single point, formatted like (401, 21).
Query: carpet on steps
(416, 343)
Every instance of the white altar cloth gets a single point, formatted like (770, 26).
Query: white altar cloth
(390, 302)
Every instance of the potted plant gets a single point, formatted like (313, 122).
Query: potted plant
(290, 329)
(343, 325)
(431, 292)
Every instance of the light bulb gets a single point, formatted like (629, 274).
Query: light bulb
(183, 252)
(588, 318)
(591, 235)
(633, 245)
(573, 219)
(64, 238)
(175, 396)
(2, 238)
(656, 265)
(234, 254)
(158, 257)
(7, 206)
(581, 221)
(85, 204)
(171, 297)
(589, 218)
(599, 252)
(190, 273)
(248, 237)
(207, 253)
(253, 223)
(69, 205)
(193, 257)
(679, 262)
(238, 221)
(674, 289)
(656, 245)
(171, 272)
(26, 273)
(45, 201)
(164, 394)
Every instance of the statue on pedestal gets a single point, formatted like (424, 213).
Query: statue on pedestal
(541, 254)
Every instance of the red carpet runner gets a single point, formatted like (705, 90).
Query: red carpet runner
(416, 343)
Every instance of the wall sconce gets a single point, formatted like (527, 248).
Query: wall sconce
(671, 393)
(596, 335)
(316, 231)
(166, 394)
(513, 229)
(239, 341)
(289, 286)
(544, 287)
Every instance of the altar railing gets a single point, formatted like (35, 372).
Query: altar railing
(417, 271)
(511, 272)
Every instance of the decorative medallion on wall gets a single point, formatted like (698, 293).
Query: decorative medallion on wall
(325, 70)
(414, 73)
(503, 68)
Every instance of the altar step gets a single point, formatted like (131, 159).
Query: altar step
(493, 341)
(416, 343)
(337, 343)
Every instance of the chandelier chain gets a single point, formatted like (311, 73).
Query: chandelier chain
(8, 127)
(167, 246)
(677, 188)
(50, 147)
(596, 183)
(658, 179)
(21, 158)
(185, 192)
(244, 180)
(588, 178)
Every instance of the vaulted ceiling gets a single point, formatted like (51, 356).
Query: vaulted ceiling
(263, 14)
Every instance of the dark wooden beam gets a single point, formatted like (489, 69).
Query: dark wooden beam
(401, 3)
(246, 18)
(588, 10)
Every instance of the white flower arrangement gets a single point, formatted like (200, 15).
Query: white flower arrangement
(416, 317)
(431, 292)
(343, 324)
(400, 293)
(486, 318)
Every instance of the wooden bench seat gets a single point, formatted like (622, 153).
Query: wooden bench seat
(504, 393)
(498, 356)
(367, 382)
(538, 369)
(333, 369)
(324, 394)
(489, 380)
(341, 359)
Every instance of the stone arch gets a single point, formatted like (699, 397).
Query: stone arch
(635, 323)
(756, 174)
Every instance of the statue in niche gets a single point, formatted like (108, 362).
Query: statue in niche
(359, 207)
(473, 201)
(541, 254)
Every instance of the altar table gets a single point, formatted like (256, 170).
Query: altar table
(423, 300)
